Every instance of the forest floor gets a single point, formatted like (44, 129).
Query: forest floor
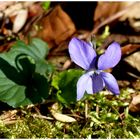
(101, 115)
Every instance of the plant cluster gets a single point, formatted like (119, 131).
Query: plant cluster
(26, 78)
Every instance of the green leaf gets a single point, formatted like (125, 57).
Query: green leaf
(20, 81)
(65, 82)
(37, 48)
(11, 92)
(43, 67)
(41, 47)
(46, 5)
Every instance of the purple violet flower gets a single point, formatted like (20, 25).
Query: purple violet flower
(94, 80)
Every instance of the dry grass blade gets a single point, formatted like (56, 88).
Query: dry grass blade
(42, 117)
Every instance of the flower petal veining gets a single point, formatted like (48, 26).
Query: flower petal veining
(81, 53)
(110, 82)
(110, 58)
(81, 85)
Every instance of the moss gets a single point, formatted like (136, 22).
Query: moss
(102, 123)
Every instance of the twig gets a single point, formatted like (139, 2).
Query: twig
(11, 122)
(97, 109)
(86, 109)
(76, 116)
(42, 117)
(67, 64)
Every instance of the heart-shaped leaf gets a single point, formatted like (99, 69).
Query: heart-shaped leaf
(65, 83)
(20, 81)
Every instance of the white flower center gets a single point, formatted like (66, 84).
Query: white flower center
(93, 71)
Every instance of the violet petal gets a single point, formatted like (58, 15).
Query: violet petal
(110, 82)
(81, 53)
(111, 57)
(81, 85)
(94, 84)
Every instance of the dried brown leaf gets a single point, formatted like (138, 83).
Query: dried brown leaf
(105, 10)
(5, 4)
(134, 60)
(63, 118)
(9, 11)
(132, 16)
(56, 27)
(135, 104)
(133, 12)
(60, 117)
(20, 20)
